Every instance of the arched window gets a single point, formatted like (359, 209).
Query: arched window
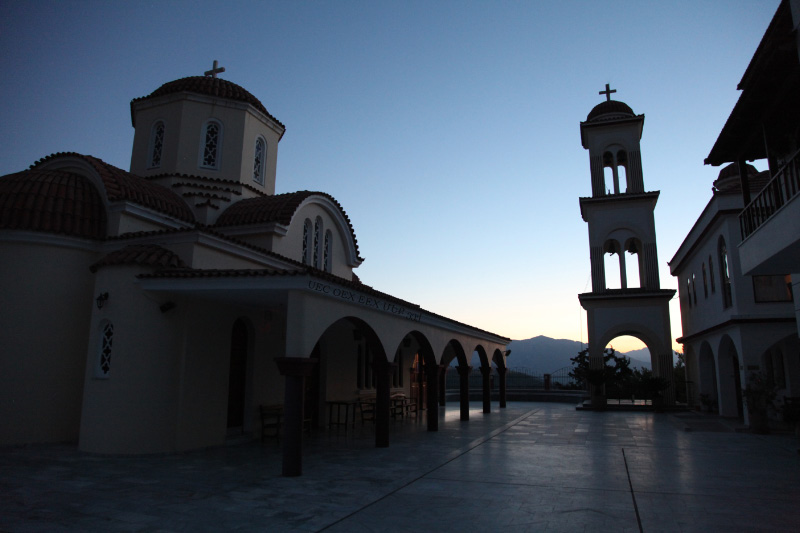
(711, 273)
(326, 256)
(317, 241)
(705, 281)
(156, 144)
(307, 242)
(689, 291)
(104, 357)
(259, 160)
(211, 145)
(694, 289)
(725, 275)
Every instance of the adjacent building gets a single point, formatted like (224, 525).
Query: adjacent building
(739, 267)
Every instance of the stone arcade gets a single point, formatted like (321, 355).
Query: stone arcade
(145, 311)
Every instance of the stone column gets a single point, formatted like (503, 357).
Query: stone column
(295, 370)
(443, 386)
(432, 379)
(598, 269)
(383, 384)
(501, 376)
(463, 390)
(598, 178)
(487, 390)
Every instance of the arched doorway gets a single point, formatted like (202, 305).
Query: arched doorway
(707, 370)
(730, 383)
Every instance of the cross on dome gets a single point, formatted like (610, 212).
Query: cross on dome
(215, 69)
(607, 92)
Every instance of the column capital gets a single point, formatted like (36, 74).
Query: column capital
(486, 370)
(296, 366)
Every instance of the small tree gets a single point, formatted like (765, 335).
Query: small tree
(614, 374)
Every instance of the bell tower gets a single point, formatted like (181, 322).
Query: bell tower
(621, 223)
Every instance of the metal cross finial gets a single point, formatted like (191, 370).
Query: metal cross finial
(607, 92)
(216, 70)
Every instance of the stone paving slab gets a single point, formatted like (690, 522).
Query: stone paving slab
(529, 467)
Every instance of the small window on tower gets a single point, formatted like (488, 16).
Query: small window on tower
(212, 141)
(156, 144)
(259, 161)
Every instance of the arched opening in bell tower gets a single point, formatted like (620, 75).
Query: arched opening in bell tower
(634, 273)
(615, 171)
(614, 265)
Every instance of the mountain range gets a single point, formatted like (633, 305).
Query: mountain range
(545, 355)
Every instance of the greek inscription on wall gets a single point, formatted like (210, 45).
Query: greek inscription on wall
(366, 301)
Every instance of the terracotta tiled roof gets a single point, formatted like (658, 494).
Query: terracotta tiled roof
(610, 110)
(278, 208)
(209, 231)
(216, 188)
(122, 185)
(52, 201)
(143, 255)
(207, 85)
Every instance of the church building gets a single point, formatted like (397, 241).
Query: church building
(154, 310)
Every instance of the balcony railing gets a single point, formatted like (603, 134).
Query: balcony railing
(780, 189)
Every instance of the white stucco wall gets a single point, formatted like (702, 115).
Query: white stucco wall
(46, 303)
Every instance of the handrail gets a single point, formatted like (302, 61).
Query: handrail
(780, 189)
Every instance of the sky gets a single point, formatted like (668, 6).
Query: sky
(448, 130)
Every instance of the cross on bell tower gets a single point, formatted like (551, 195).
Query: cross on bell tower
(219, 70)
(607, 92)
(622, 223)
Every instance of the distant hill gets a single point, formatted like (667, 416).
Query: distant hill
(544, 355)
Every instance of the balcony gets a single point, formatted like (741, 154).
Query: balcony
(784, 186)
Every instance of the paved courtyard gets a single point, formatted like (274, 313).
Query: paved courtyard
(529, 467)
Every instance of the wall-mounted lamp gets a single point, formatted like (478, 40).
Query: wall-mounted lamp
(507, 353)
(101, 300)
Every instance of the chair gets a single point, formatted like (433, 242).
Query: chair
(271, 420)
(366, 407)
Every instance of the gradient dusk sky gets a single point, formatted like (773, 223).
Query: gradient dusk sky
(448, 130)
